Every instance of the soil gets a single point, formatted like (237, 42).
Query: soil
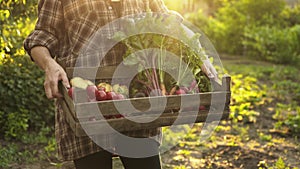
(246, 154)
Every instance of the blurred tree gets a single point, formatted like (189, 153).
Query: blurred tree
(185, 6)
(214, 5)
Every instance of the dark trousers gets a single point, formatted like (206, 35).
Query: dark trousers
(103, 159)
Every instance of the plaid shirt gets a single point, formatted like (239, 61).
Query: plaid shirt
(64, 26)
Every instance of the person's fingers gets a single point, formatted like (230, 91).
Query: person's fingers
(54, 88)
(213, 70)
(52, 78)
(206, 70)
(53, 74)
(48, 90)
(65, 80)
(60, 75)
(210, 68)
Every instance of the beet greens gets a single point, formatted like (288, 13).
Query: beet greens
(150, 52)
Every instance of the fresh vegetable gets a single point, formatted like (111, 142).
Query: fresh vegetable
(107, 87)
(111, 95)
(91, 90)
(71, 92)
(80, 83)
(152, 64)
(119, 97)
(180, 91)
(100, 95)
(122, 89)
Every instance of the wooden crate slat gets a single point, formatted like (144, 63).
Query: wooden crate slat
(186, 112)
(106, 72)
(68, 101)
(162, 123)
(74, 125)
(74, 110)
(101, 127)
(142, 104)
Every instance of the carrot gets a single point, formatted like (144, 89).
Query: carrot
(173, 90)
(163, 89)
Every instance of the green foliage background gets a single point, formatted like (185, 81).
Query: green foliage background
(265, 30)
(24, 107)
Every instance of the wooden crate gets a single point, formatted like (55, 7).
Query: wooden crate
(173, 113)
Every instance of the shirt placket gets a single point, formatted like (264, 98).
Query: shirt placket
(114, 9)
(113, 12)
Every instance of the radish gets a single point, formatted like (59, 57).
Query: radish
(102, 89)
(120, 97)
(110, 95)
(91, 90)
(71, 92)
(100, 95)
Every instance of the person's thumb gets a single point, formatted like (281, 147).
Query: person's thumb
(65, 81)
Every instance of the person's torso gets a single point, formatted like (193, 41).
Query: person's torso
(83, 18)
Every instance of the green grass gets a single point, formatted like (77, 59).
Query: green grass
(14, 154)
(281, 84)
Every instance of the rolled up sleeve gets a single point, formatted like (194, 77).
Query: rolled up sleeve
(49, 27)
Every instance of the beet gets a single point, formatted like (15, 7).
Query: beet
(180, 92)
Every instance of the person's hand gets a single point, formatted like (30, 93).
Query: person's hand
(53, 71)
(207, 66)
(53, 74)
(210, 70)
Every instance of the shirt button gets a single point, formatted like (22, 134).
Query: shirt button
(110, 8)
